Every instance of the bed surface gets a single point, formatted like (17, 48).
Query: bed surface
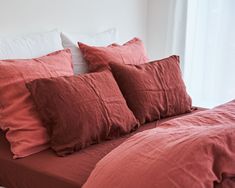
(47, 170)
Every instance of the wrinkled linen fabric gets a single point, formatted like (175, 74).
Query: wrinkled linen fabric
(18, 116)
(79, 111)
(153, 90)
(98, 58)
(196, 151)
(47, 170)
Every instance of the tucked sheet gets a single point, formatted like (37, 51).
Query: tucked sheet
(196, 151)
(46, 170)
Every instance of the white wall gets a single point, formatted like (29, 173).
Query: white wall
(151, 20)
(85, 16)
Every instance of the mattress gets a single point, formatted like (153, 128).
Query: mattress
(46, 170)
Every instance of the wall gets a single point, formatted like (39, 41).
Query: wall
(151, 20)
(85, 16)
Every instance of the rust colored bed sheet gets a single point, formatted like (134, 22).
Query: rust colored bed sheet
(46, 170)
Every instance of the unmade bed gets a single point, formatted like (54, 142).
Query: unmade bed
(47, 170)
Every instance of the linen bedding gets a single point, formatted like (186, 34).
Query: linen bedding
(195, 151)
(46, 170)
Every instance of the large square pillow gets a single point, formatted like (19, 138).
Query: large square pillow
(153, 90)
(81, 110)
(98, 58)
(30, 46)
(19, 118)
(70, 39)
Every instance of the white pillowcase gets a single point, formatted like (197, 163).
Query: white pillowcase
(70, 40)
(30, 46)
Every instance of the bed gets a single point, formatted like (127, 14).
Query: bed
(47, 170)
(96, 124)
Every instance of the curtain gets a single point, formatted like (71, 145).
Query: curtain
(209, 53)
(176, 29)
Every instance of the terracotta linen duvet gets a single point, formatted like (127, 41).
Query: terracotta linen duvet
(195, 151)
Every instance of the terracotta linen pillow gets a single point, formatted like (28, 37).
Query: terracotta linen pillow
(153, 90)
(98, 58)
(19, 118)
(81, 110)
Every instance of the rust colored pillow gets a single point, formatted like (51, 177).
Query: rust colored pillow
(153, 90)
(81, 110)
(98, 58)
(18, 116)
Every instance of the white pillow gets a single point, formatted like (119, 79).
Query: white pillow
(30, 46)
(69, 40)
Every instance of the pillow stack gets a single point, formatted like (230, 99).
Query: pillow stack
(152, 90)
(45, 105)
(70, 39)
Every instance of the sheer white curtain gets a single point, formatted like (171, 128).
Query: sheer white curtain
(209, 58)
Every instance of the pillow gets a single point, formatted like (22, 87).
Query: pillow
(81, 110)
(132, 52)
(69, 40)
(153, 90)
(30, 46)
(19, 117)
